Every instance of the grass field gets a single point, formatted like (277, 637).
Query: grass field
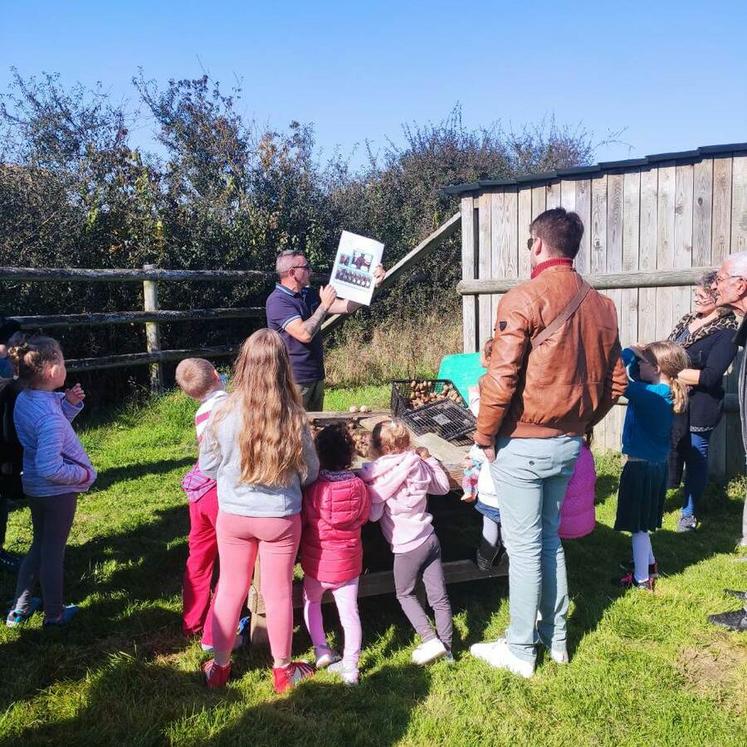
(645, 669)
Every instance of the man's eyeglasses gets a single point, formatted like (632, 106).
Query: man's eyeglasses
(724, 278)
(301, 267)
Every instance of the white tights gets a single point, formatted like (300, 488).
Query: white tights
(643, 555)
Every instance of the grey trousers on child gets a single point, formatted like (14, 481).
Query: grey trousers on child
(425, 561)
(52, 518)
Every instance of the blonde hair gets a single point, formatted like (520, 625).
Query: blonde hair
(196, 377)
(30, 355)
(671, 359)
(390, 437)
(273, 421)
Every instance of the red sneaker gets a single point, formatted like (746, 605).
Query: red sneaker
(215, 674)
(628, 582)
(285, 678)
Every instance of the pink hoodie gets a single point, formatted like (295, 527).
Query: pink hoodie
(398, 485)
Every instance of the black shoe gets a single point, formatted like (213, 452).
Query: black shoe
(736, 621)
(10, 561)
(487, 554)
(738, 594)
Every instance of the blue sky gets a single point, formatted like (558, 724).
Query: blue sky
(673, 76)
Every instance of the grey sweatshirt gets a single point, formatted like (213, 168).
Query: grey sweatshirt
(220, 458)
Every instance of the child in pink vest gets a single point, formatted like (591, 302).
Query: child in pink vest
(577, 517)
(334, 509)
(399, 482)
(198, 379)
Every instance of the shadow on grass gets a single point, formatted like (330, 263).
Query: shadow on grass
(108, 477)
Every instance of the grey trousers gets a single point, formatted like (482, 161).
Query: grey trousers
(312, 394)
(531, 476)
(424, 561)
(52, 518)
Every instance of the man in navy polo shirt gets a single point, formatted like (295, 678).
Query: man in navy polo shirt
(296, 311)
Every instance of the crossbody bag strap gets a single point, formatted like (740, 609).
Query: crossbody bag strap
(563, 317)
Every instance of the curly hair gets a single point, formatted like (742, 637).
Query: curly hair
(31, 354)
(335, 447)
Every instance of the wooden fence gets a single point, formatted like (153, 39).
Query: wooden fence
(151, 314)
(653, 225)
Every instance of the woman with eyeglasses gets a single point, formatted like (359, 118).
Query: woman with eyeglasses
(707, 334)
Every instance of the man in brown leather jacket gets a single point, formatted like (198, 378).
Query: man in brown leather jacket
(555, 371)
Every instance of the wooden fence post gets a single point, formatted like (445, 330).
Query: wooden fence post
(152, 335)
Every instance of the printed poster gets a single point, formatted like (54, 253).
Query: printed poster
(352, 274)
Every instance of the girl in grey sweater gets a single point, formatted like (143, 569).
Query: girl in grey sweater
(55, 469)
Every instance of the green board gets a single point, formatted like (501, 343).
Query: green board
(463, 369)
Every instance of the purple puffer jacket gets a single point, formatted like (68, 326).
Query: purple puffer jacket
(577, 518)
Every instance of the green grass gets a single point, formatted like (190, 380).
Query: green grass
(645, 669)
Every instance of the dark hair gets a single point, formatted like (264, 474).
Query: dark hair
(31, 354)
(560, 230)
(335, 447)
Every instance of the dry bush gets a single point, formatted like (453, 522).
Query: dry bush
(400, 348)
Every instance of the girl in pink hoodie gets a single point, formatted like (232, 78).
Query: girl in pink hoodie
(398, 483)
(334, 509)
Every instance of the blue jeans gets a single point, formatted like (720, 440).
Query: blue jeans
(531, 476)
(696, 470)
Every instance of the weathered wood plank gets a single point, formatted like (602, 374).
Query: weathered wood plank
(702, 211)
(525, 219)
(484, 269)
(75, 274)
(649, 219)
(552, 198)
(739, 205)
(665, 248)
(599, 225)
(615, 184)
(583, 208)
(603, 281)
(469, 272)
(683, 236)
(134, 317)
(139, 359)
(721, 213)
(631, 220)
(539, 201)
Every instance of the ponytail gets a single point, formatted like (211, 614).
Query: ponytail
(671, 359)
(679, 394)
(31, 354)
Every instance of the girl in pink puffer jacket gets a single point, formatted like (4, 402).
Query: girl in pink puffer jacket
(577, 517)
(334, 509)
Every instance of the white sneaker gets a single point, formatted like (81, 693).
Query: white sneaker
(559, 655)
(428, 651)
(349, 675)
(498, 655)
(326, 658)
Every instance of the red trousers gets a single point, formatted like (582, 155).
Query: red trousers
(197, 601)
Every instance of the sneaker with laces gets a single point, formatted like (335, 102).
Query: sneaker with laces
(428, 651)
(627, 581)
(215, 674)
(687, 524)
(15, 617)
(349, 675)
(238, 642)
(498, 655)
(736, 621)
(284, 678)
(653, 568)
(67, 614)
(325, 657)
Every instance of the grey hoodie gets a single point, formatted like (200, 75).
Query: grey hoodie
(220, 458)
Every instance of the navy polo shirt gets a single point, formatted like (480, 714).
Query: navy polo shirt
(282, 307)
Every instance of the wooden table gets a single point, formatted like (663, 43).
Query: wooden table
(380, 582)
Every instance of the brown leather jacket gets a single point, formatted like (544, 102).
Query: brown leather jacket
(569, 382)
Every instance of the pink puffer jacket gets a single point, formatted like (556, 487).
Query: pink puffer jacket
(577, 518)
(334, 509)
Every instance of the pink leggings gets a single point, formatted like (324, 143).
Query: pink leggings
(239, 540)
(346, 599)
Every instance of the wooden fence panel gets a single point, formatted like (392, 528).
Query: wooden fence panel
(665, 248)
(583, 208)
(739, 205)
(721, 220)
(469, 303)
(484, 268)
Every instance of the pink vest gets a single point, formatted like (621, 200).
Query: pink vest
(333, 512)
(577, 518)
